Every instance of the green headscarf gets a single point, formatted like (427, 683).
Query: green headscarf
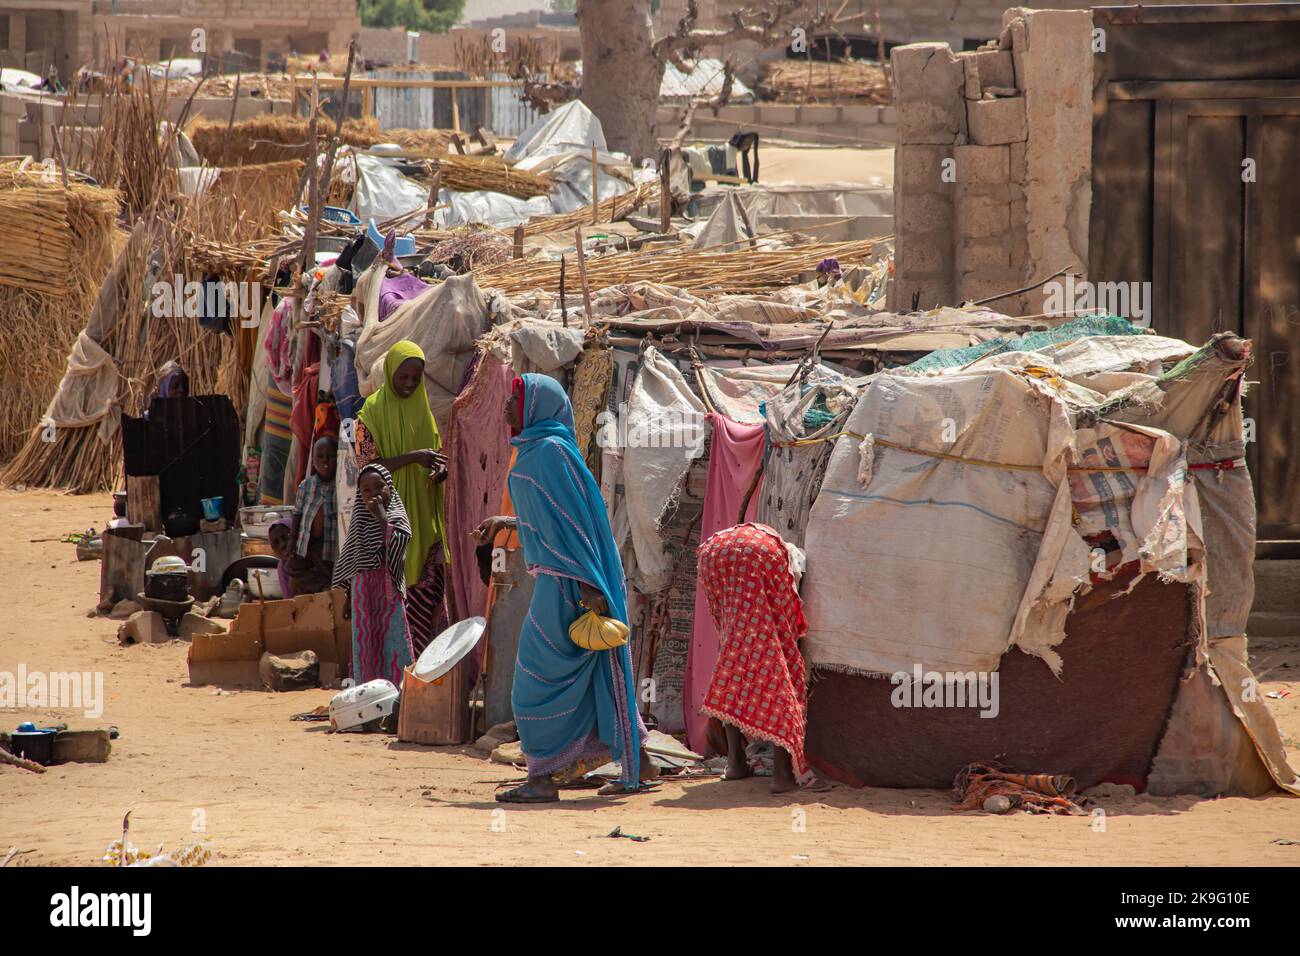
(398, 426)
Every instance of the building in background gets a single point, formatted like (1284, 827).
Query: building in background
(36, 35)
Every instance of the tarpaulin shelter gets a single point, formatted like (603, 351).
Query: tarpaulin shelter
(1077, 519)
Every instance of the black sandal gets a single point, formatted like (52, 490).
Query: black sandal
(520, 794)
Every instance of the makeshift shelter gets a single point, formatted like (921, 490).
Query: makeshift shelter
(1072, 519)
(1060, 506)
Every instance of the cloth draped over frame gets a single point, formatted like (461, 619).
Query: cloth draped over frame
(670, 419)
(792, 474)
(277, 436)
(567, 701)
(478, 455)
(400, 425)
(88, 392)
(735, 454)
(759, 685)
(302, 421)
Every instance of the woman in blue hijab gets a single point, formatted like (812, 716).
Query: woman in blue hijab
(570, 704)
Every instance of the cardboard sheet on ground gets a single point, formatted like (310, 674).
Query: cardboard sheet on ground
(309, 622)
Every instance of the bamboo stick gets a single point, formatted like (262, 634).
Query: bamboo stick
(582, 276)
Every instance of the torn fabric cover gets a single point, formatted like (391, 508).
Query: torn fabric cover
(88, 392)
(662, 431)
(947, 561)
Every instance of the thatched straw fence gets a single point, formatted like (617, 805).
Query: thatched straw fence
(270, 138)
(59, 245)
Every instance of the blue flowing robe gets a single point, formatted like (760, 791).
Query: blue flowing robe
(569, 703)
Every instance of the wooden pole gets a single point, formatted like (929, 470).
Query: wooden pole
(32, 765)
(455, 110)
(582, 276)
(58, 154)
(519, 243)
(434, 185)
(313, 191)
(595, 189)
(564, 305)
(880, 49)
(338, 127)
(234, 103)
(665, 193)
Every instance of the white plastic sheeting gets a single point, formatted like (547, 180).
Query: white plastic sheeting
(496, 209)
(958, 504)
(704, 80)
(383, 192)
(565, 129)
(559, 146)
(938, 554)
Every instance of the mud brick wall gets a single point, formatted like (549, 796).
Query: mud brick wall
(992, 173)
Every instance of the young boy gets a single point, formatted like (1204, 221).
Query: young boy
(315, 516)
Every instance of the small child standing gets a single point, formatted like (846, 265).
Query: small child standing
(315, 518)
(372, 567)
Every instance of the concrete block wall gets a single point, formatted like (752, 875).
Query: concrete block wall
(13, 111)
(992, 174)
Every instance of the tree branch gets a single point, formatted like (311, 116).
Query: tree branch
(764, 24)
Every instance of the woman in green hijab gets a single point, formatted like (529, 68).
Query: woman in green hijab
(396, 429)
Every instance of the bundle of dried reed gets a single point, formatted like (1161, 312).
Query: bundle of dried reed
(608, 210)
(803, 81)
(134, 150)
(34, 235)
(703, 272)
(235, 262)
(472, 250)
(243, 204)
(36, 326)
(524, 56)
(427, 143)
(468, 173)
(270, 138)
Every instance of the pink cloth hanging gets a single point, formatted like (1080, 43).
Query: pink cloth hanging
(478, 452)
(735, 455)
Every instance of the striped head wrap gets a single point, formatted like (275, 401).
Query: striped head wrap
(367, 545)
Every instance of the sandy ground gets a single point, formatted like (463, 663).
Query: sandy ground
(266, 790)
(813, 164)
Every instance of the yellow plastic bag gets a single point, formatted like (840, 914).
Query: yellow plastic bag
(592, 632)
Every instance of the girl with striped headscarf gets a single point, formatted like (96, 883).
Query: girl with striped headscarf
(372, 568)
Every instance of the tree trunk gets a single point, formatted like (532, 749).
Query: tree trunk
(620, 73)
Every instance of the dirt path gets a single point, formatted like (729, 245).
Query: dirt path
(793, 164)
(270, 791)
